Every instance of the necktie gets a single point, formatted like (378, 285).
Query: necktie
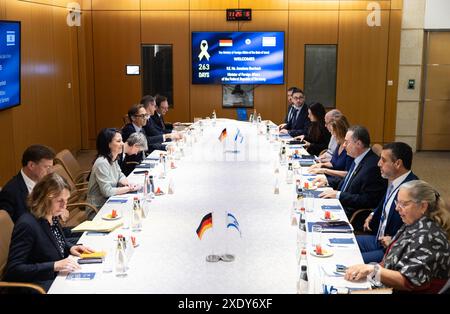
(348, 176)
(294, 112)
(162, 122)
(381, 228)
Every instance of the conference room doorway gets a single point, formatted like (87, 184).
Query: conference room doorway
(435, 126)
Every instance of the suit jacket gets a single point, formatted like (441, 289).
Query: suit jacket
(127, 162)
(160, 124)
(13, 197)
(365, 188)
(394, 222)
(33, 252)
(154, 139)
(286, 119)
(299, 125)
(319, 144)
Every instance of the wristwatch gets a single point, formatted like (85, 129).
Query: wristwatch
(375, 276)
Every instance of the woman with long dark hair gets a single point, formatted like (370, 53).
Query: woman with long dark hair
(106, 178)
(318, 136)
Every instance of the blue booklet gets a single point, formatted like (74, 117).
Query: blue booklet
(331, 207)
(80, 276)
(312, 193)
(341, 241)
(145, 166)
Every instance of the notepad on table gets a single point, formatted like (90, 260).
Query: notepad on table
(99, 254)
(98, 225)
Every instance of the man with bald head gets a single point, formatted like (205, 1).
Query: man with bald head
(332, 145)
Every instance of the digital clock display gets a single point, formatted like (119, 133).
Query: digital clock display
(239, 14)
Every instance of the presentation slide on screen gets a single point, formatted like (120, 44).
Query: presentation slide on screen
(9, 64)
(237, 57)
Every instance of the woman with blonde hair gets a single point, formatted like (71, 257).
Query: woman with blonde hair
(340, 162)
(38, 249)
(418, 258)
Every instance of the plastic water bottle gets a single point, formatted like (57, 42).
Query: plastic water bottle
(303, 285)
(147, 188)
(214, 117)
(258, 119)
(289, 174)
(121, 258)
(301, 233)
(136, 224)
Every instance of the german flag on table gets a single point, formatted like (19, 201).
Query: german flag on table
(205, 224)
(223, 134)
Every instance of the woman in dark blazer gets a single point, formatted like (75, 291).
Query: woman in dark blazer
(318, 136)
(38, 249)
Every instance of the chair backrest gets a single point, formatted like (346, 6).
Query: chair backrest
(6, 228)
(68, 161)
(59, 169)
(377, 148)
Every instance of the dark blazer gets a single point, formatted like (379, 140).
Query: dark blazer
(33, 252)
(365, 188)
(127, 163)
(299, 125)
(153, 141)
(394, 222)
(13, 197)
(286, 119)
(320, 143)
(160, 124)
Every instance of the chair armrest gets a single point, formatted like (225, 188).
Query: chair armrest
(359, 211)
(32, 286)
(83, 204)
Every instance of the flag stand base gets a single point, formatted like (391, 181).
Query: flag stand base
(213, 258)
(227, 257)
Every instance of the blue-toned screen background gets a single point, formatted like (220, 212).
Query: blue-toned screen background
(9, 64)
(237, 58)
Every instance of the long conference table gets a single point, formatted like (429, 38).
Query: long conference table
(237, 176)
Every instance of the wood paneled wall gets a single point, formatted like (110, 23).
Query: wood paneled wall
(367, 56)
(93, 57)
(50, 110)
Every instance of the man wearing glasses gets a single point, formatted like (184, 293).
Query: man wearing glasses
(384, 222)
(289, 100)
(162, 107)
(139, 117)
(298, 121)
(150, 127)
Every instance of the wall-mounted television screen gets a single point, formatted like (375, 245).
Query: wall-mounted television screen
(9, 64)
(237, 58)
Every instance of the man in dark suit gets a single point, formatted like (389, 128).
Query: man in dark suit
(289, 100)
(139, 119)
(384, 222)
(162, 106)
(363, 186)
(150, 127)
(37, 161)
(298, 121)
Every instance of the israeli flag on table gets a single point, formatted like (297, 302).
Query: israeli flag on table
(232, 222)
(238, 136)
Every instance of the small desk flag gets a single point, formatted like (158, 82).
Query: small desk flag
(232, 222)
(223, 135)
(205, 224)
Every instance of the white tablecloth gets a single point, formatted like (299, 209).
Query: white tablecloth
(211, 177)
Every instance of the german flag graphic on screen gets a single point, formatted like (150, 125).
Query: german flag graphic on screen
(205, 224)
